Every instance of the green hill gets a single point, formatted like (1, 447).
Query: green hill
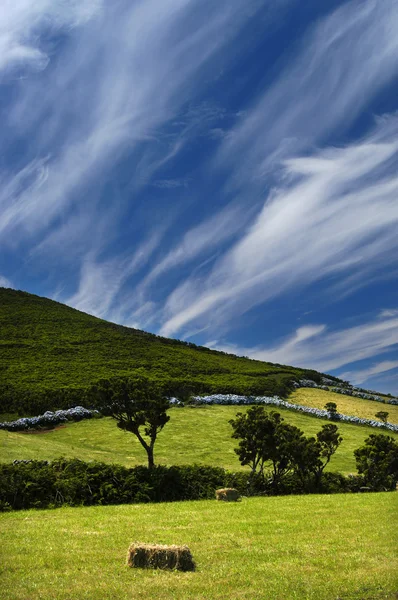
(47, 349)
(199, 435)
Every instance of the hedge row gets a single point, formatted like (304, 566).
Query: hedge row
(326, 384)
(50, 419)
(40, 484)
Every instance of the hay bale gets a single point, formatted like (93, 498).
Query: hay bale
(228, 495)
(154, 556)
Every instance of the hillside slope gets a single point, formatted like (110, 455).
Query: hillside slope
(46, 346)
(201, 435)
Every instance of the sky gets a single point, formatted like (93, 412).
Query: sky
(224, 173)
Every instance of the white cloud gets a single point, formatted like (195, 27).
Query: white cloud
(315, 347)
(101, 281)
(5, 283)
(338, 213)
(342, 63)
(120, 78)
(389, 312)
(22, 21)
(103, 98)
(359, 376)
(332, 211)
(201, 239)
(126, 72)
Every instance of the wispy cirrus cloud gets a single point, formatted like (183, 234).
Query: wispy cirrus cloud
(120, 75)
(361, 375)
(341, 64)
(102, 98)
(202, 239)
(102, 280)
(330, 212)
(317, 347)
(23, 21)
(328, 220)
(4, 282)
(153, 186)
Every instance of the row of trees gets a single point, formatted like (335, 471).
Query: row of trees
(272, 448)
(267, 442)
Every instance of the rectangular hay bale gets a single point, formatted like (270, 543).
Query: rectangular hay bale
(155, 556)
(228, 495)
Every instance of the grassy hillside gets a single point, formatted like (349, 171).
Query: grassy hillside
(45, 345)
(302, 547)
(193, 435)
(346, 405)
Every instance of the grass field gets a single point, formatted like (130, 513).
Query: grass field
(194, 435)
(303, 547)
(347, 405)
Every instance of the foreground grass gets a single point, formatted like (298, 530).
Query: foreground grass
(301, 547)
(193, 435)
(347, 405)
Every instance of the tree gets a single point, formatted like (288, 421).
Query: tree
(290, 452)
(328, 440)
(331, 407)
(137, 404)
(382, 415)
(255, 430)
(305, 454)
(377, 460)
(312, 375)
(266, 439)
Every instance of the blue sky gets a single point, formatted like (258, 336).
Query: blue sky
(221, 172)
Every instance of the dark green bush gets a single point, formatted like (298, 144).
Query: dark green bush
(313, 376)
(39, 484)
(30, 484)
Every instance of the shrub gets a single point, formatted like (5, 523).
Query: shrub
(377, 461)
(50, 419)
(39, 484)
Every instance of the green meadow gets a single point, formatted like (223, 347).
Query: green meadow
(347, 405)
(298, 547)
(329, 547)
(199, 435)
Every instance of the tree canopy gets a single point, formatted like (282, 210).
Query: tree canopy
(265, 440)
(377, 461)
(137, 404)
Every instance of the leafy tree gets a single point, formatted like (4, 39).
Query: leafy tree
(137, 404)
(255, 430)
(328, 440)
(305, 454)
(377, 460)
(291, 451)
(266, 439)
(312, 375)
(382, 415)
(331, 407)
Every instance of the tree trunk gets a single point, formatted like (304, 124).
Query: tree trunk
(149, 451)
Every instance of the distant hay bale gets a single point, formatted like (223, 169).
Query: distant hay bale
(228, 495)
(154, 556)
